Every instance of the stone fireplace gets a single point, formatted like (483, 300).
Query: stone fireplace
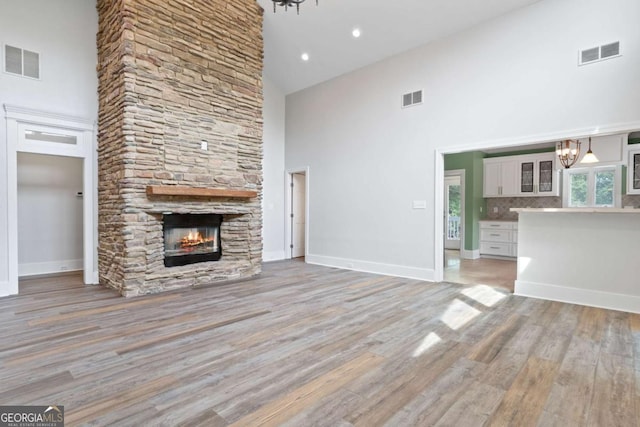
(180, 108)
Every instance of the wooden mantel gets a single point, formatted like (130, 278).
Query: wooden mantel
(174, 190)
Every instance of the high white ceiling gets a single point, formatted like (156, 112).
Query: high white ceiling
(388, 28)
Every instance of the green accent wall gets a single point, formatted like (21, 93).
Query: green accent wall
(474, 204)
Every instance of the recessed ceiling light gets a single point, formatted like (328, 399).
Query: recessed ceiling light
(305, 56)
(356, 32)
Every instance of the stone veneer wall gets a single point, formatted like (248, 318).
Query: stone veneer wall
(174, 73)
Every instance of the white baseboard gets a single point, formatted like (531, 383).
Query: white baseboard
(36, 268)
(470, 254)
(4, 289)
(608, 300)
(426, 274)
(273, 255)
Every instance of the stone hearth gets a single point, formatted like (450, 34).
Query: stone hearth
(174, 75)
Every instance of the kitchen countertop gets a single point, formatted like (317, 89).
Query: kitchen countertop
(576, 210)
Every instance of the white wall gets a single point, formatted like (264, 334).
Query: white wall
(49, 214)
(514, 78)
(64, 33)
(273, 169)
(580, 258)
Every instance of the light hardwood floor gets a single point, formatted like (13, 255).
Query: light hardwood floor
(305, 345)
(483, 271)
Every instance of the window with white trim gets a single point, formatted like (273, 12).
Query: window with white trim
(593, 187)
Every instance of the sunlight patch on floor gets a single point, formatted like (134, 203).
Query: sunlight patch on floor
(484, 294)
(429, 341)
(458, 314)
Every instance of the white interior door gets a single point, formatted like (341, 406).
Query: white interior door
(453, 212)
(298, 220)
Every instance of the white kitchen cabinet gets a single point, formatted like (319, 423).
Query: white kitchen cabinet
(633, 172)
(500, 177)
(537, 175)
(527, 175)
(499, 238)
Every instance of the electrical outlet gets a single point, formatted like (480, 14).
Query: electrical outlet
(495, 209)
(204, 146)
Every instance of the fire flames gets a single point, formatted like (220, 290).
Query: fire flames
(194, 239)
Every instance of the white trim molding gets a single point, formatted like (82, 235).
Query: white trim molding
(591, 298)
(416, 273)
(29, 115)
(470, 254)
(18, 120)
(288, 179)
(4, 289)
(52, 267)
(273, 255)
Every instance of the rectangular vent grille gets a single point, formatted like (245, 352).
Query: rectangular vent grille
(609, 50)
(21, 62)
(599, 53)
(411, 98)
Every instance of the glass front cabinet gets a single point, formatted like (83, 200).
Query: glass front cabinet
(633, 172)
(538, 175)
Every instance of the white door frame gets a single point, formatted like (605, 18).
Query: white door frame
(287, 211)
(463, 228)
(18, 118)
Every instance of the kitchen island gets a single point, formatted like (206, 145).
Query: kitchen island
(588, 256)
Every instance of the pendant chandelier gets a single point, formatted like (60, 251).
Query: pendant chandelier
(288, 3)
(568, 152)
(589, 157)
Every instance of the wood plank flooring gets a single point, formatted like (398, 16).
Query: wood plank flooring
(487, 271)
(305, 345)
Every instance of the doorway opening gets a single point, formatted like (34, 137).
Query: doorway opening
(298, 215)
(59, 137)
(50, 220)
(453, 204)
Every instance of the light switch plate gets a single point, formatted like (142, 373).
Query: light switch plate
(419, 204)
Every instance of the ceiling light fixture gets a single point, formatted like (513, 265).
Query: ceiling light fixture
(356, 32)
(568, 152)
(288, 3)
(589, 157)
(305, 56)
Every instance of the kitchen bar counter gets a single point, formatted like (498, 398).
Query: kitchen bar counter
(588, 257)
(577, 210)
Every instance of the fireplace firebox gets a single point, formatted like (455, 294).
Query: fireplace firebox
(191, 238)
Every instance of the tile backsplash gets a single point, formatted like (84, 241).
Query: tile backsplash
(504, 204)
(631, 200)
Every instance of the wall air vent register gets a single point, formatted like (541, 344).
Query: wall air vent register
(599, 53)
(21, 62)
(412, 98)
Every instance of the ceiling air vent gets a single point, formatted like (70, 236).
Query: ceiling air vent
(21, 62)
(599, 53)
(411, 98)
